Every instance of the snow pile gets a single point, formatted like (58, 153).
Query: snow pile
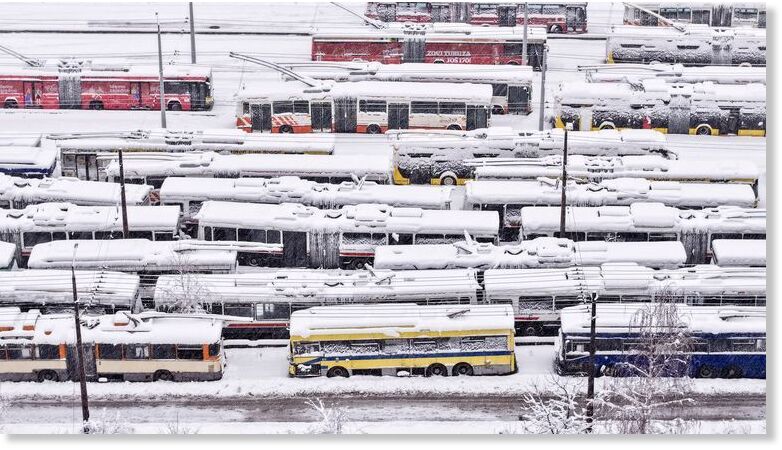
(7, 254)
(738, 252)
(15, 190)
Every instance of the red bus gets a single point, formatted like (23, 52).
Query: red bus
(431, 43)
(135, 87)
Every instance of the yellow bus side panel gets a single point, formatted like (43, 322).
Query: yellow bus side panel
(390, 363)
(401, 335)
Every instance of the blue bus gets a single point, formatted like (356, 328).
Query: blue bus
(722, 342)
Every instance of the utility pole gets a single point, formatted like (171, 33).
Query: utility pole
(123, 202)
(85, 409)
(160, 67)
(590, 409)
(192, 35)
(563, 200)
(524, 42)
(543, 87)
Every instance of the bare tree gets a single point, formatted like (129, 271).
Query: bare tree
(107, 425)
(332, 418)
(185, 294)
(5, 405)
(555, 409)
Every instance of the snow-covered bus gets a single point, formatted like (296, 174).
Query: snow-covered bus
(371, 107)
(541, 253)
(309, 237)
(48, 222)
(696, 45)
(509, 197)
(717, 14)
(7, 256)
(446, 158)
(402, 339)
(511, 85)
(27, 156)
(431, 43)
(737, 252)
(646, 222)
(674, 73)
(122, 347)
(718, 342)
(154, 168)
(17, 193)
(696, 108)
(85, 155)
(538, 295)
(98, 291)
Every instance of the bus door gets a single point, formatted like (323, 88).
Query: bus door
(477, 117)
(72, 362)
(197, 96)
(261, 117)
(575, 17)
(734, 121)
(441, 13)
(69, 90)
(386, 12)
(345, 114)
(518, 99)
(294, 249)
(32, 95)
(398, 116)
(506, 15)
(135, 96)
(413, 46)
(679, 117)
(321, 116)
(87, 167)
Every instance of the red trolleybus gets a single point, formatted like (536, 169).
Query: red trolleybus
(135, 87)
(432, 43)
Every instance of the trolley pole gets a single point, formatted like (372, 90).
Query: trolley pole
(160, 68)
(524, 42)
(192, 35)
(85, 408)
(563, 200)
(123, 201)
(543, 87)
(590, 409)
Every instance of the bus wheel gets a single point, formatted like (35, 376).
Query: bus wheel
(48, 375)
(10, 104)
(610, 371)
(96, 105)
(732, 372)
(463, 369)
(338, 372)
(448, 179)
(162, 375)
(555, 29)
(703, 130)
(286, 129)
(497, 110)
(707, 372)
(436, 370)
(454, 127)
(373, 129)
(256, 261)
(174, 106)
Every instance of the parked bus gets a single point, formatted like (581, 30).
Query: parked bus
(714, 14)
(509, 197)
(17, 193)
(85, 155)
(27, 156)
(370, 107)
(738, 252)
(511, 85)
(46, 222)
(121, 347)
(726, 342)
(533, 254)
(693, 45)
(155, 168)
(646, 222)
(7, 256)
(431, 43)
(699, 108)
(99, 291)
(674, 73)
(446, 158)
(309, 237)
(402, 339)
(80, 86)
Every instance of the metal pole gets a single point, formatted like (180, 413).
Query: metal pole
(192, 35)
(543, 87)
(563, 200)
(123, 203)
(85, 409)
(524, 42)
(160, 67)
(590, 409)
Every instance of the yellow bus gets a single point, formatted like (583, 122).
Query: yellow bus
(402, 340)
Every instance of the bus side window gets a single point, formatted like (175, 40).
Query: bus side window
(301, 107)
(136, 351)
(207, 233)
(163, 351)
(38, 237)
(245, 108)
(163, 236)
(283, 107)
(190, 352)
(224, 234)
(46, 352)
(16, 351)
(238, 309)
(214, 349)
(140, 235)
(499, 90)
(110, 351)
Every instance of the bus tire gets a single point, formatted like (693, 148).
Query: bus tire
(462, 369)
(610, 371)
(287, 129)
(454, 127)
(338, 371)
(706, 371)
(10, 104)
(436, 370)
(48, 375)
(439, 61)
(96, 105)
(448, 179)
(703, 130)
(373, 129)
(256, 261)
(732, 372)
(607, 126)
(555, 29)
(163, 375)
(497, 110)
(174, 106)
(530, 330)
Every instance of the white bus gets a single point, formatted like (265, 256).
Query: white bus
(508, 197)
(445, 157)
(122, 347)
(716, 14)
(7, 256)
(536, 253)
(674, 73)
(511, 85)
(345, 237)
(48, 222)
(370, 107)
(27, 156)
(646, 222)
(154, 168)
(738, 252)
(51, 290)
(17, 193)
(85, 155)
